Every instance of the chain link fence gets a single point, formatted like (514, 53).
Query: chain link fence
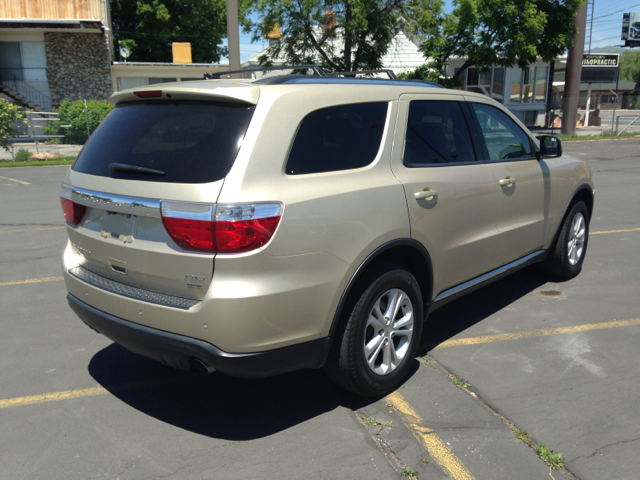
(609, 113)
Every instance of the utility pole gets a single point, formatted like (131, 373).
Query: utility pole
(572, 77)
(233, 36)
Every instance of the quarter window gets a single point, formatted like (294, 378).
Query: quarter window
(503, 137)
(436, 133)
(337, 138)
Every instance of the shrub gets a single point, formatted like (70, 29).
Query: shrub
(73, 114)
(9, 115)
(22, 155)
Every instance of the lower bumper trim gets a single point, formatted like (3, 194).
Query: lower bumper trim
(179, 351)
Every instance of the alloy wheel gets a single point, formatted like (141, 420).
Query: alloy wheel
(388, 332)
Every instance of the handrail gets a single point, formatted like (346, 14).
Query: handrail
(41, 99)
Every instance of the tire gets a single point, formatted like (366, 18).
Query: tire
(567, 255)
(373, 352)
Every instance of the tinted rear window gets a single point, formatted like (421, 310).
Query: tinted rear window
(337, 138)
(189, 142)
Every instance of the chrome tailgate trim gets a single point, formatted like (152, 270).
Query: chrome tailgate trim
(145, 207)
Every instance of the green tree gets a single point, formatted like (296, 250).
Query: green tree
(630, 66)
(72, 121)
(10, 114)
(338, 35)
(494, 32)
(147, 28)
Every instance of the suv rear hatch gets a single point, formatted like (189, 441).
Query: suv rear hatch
(148, 159)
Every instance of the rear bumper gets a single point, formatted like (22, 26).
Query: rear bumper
(179, 351)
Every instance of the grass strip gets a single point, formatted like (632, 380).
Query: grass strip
(602, 136)
(39, 163)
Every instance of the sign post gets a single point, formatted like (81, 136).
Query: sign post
(598, 68)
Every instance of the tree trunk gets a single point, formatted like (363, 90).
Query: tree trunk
(348, 37)
(464, 67)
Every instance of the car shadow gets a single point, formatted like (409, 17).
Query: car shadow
(455, 317)
(239, 409)
(215, 405)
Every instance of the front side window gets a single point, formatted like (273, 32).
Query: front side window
(503, 137)
(337, 138)
(436, 133)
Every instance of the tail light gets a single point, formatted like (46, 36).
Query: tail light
(73, 212)
(221, 228)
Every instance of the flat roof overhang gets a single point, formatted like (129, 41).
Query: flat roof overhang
(48, 24)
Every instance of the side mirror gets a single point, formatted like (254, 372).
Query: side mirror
(550, 146)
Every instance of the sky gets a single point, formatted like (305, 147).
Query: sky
(607, 22)
(607, 26)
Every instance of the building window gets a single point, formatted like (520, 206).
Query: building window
(529, 85)
(153, 81)
(489, 82)
(497, 85)
(528, 117)
(125, 83)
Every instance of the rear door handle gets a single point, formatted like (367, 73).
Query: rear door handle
(425, 194)
(507, 181)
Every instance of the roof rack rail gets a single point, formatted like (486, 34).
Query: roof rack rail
(317, 70)
(391, 73)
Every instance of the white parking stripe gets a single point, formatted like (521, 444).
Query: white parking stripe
(17, 181)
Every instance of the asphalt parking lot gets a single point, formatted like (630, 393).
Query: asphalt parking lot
(559, 360)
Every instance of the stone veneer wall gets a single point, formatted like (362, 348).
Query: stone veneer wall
(78, 66)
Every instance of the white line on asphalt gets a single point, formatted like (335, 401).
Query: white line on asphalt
(17, 181)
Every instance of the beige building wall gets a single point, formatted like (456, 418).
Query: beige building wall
(131, 74)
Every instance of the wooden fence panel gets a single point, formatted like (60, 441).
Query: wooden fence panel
(50, 9)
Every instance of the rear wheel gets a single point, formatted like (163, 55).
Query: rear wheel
(565, 260)
(374, 351)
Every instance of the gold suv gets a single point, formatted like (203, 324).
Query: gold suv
(261, 226)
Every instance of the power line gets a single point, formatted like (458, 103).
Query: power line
(619, 11)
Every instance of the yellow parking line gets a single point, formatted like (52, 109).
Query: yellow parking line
(31, 230)
(544, 332)
(84, 392)
(52, 397)
(616, 231)
(32, 280)
(430, 440)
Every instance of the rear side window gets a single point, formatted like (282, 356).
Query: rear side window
(188, 142)
(337, 138)
(437, 133)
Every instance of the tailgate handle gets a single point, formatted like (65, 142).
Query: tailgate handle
(118, 266)
(425, 194)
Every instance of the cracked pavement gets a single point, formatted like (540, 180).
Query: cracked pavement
(578, 393)
(575, 392)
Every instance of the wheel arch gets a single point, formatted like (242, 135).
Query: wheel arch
(585, 193)
(405, 252)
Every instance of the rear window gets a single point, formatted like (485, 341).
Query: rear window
(188, 142)
(337, 138)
